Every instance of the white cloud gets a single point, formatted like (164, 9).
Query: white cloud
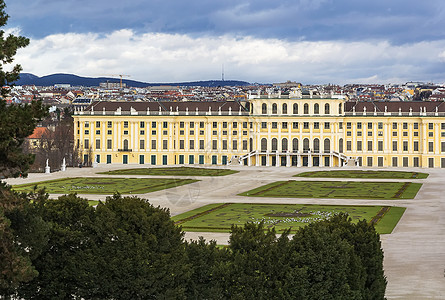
(161, 57)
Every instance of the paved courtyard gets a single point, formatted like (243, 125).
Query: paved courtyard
(414, 253)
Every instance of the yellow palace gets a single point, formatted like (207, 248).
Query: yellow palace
(287, 132)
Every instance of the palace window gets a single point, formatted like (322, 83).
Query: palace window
(316, 109)
(264, 109)
(274, 108)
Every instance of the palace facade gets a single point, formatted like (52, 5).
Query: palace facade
(263, 132)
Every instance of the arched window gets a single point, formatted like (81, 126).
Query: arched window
(340, 109)
(316, 109)
(306, 109)
(326, 109)
(316, 145)
(284, 109)
(284, 146)
(264, 109)
(274, 145)
(295, 109)
(305, 145)
(274, 108)
(263, 145)
(340, 146)
(295, 145)
(327, 145)
(125, 144)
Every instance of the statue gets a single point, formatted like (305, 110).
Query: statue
(47, 168)
(63, 168)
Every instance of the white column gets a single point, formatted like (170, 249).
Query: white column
(277, 159)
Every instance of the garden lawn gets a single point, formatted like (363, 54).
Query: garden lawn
(92, 185)
(173, 171)
(220, 217)
(337, 189)
(364, 174)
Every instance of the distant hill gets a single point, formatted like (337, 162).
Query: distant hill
(74, 80)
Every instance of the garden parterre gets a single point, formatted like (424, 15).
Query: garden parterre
(337, 189)
(220, 217)
(104, 185)
(364, 174)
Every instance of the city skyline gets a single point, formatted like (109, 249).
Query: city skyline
(257, 41)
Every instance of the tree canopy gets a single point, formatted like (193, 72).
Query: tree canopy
(16, 121)
(8, 48)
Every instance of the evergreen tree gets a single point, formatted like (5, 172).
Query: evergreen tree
(23, 234)
(63, 264)
(8, 49)
(16, 121)
(139, 252)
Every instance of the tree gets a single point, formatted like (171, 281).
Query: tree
(22, 234)
(139, 252)
(64, 261)
(9, 46)
(16, 121)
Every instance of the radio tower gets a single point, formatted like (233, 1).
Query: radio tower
(222, 73)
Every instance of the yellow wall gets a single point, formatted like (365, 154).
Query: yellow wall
(176, 132)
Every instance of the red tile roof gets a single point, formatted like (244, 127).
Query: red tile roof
(39, 132)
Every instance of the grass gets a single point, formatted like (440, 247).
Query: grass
(337, 189)
(86, 185)
(364, 174)
(220, 217)
(93, 202)
(390, 220)
(173, 171)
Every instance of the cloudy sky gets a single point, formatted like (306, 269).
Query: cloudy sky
(310, 41)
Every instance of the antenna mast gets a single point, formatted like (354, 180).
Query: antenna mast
(222, 73)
